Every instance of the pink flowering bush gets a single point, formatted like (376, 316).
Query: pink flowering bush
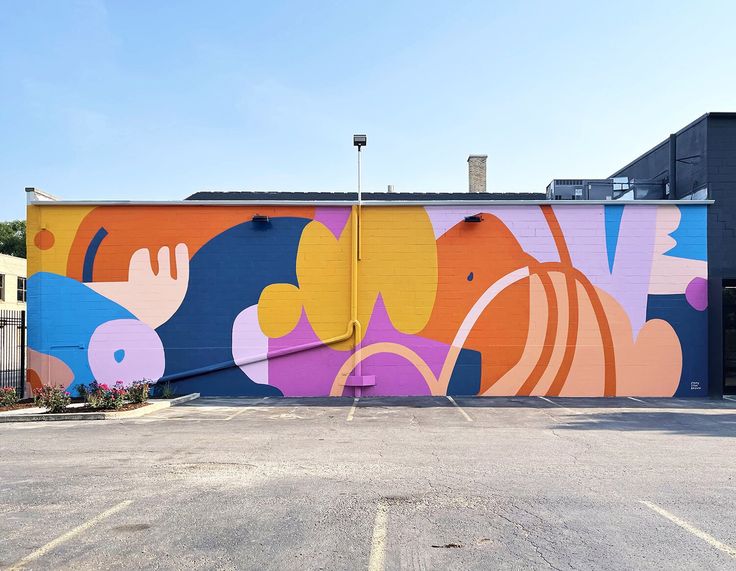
(53, 398)
(101, 395)
(8, 396)
(138, 391)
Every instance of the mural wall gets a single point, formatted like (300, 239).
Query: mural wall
(568, 300)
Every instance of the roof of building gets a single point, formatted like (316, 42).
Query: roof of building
(716, 114)
(234, 195)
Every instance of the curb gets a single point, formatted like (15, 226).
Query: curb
(153, 406)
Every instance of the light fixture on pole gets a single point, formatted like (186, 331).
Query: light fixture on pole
(359, 141)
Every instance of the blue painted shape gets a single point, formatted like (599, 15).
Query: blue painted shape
(227, 275)
(691, 234)
(612, 216)
(470, 277)
(90, 254)
(119, 355)
(465, 379)
(62, 315)
(691, 327)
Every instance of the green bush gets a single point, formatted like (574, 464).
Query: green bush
(138, 391)
(8, 396)
(167, 391)
(83, 392)
(55, 399)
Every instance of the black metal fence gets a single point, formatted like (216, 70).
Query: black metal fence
(13, 350)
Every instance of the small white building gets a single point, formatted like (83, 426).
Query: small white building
(12, 282)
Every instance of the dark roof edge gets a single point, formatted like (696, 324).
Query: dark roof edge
(727, 114)
(255, 196)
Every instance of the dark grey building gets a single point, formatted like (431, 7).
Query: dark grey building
(699, 162)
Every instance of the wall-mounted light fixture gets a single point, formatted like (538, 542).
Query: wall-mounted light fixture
(474, 218)
(261, 218)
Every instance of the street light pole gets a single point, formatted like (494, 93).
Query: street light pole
(359, 141)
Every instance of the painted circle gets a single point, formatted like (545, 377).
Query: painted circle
(44, 239)
(125, 350)
(696, 294)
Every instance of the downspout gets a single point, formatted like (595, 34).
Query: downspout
(357, 329)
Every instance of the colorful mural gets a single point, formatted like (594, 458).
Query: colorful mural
(556, 300)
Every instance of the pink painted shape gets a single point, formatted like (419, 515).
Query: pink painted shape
(144, 352)
(585, 234)
(248, 343)
(696, 294)
(51, 370)
(334, 217)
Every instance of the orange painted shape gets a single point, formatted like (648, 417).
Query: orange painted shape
(44, 239)
(489, 250)
(132, 228)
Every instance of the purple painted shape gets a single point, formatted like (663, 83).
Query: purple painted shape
(141, 347)
(585, 234)
(306, 373)
(526, 223)
(310, 373)
(696, 294)
(334, 217)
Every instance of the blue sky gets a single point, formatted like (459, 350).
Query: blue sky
(155, 100)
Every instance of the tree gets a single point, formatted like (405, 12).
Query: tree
(13, 238)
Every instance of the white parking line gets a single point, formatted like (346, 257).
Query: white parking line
(378, 542)
(545, 399)
(729, 398)
(41, 551)
(465, 414)
(638, 400)
(352, 408)
(244, 409)
(727, 549)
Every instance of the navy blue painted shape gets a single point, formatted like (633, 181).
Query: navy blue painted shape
(230, 382)
(691, 327)
(227, 275)
(90, 254)
(465, 379)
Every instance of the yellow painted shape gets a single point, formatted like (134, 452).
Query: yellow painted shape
(399, 261)
(62, 222)
(279, 309)
(323, 272)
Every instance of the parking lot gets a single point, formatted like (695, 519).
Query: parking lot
(420, 483)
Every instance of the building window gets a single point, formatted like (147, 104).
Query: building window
(2, 287)
(22, 289)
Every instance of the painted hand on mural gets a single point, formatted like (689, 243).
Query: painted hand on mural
(151, 297)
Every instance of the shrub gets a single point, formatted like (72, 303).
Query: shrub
(167, 391)
(138, 391)
(55, 399)
(104, 396)
(83, 392)
(8, 396)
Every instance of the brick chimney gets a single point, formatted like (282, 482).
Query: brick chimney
(477, 173)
